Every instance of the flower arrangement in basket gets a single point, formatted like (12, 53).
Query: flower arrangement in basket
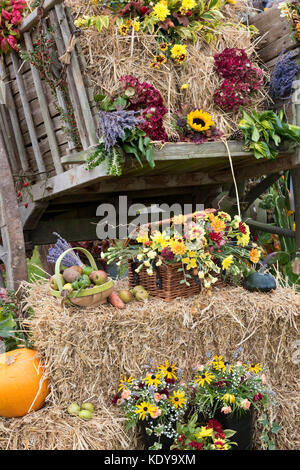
(211, 436)
(156, 401)
(194, 251)
(77, 283)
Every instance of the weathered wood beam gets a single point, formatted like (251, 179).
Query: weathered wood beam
(28, 115)
(10, 226)
(32, 19)
(295, 173)
(258, 190)
(44, 110)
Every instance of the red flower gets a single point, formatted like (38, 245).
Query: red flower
(216, 237)
(257, 397)
(143, 10)
(216, 425)
(242, 228)
(116, 398)
(12, 42)
(5, 14)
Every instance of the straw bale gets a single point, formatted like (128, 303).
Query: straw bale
(87, 351)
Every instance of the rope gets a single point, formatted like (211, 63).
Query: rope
(233, 176)
(66, 57)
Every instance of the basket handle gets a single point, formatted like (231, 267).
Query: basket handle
(61, 257)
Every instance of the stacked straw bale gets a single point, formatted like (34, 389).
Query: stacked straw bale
(87, 351)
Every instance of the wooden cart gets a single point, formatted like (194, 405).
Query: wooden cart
(64, 195)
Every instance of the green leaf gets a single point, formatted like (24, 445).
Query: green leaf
(255, 135)
(229, 433)
(276, 427)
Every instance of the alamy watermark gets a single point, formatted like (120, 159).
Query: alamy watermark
(125, 221)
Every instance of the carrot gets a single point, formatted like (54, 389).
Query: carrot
(115, 300)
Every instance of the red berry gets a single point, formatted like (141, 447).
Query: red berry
(18, 194)
(26, 205)
(26, 184)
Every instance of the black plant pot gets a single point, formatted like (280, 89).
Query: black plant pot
(149, 440)
(242, 423)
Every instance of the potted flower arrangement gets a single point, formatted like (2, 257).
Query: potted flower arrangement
(211, 436)
(154, 402)
(193, 251)
(230, 392)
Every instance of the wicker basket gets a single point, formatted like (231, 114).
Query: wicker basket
(165, 281)
(87, 297)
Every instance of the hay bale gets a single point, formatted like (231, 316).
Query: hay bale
(109, 56)
(86, 351)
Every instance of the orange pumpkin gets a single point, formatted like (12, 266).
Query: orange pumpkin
(22, 385)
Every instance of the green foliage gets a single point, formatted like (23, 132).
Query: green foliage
(9, 328)
(268, 428)
(264, 132)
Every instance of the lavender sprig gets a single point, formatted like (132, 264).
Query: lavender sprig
(71, 259)
(113, 125)
(283, 76)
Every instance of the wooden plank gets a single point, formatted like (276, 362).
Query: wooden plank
(71, 84)
(44, 110)
(274, 49)
(29, 120)
(80, 86)
(295, 173)
(32, 19)
(11, 228)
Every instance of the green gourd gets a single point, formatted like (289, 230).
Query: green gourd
(260, 282)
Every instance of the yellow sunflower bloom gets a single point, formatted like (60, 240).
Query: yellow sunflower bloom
(177, 399)
(255, 368)
(178, 50)
(167, 370)
(178, 247)
(152, 380)
(205, 377)
(144, 408)
(125, 382)
(123, 30)
(199, 120)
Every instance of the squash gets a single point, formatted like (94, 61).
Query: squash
(259, 281)
(23, 387)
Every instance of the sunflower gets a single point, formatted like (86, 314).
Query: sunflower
(123, 30)
(199, 120)
(168, 370)
(144, 408)
(178, 50)
(152, 379)
(160, 58)
(255, 368)
(125, 382)
(205, 377)
(177, 399)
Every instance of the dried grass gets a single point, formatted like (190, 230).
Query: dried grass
(86, 351)
(110, 55)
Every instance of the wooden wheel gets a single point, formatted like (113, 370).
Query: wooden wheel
(12, 246)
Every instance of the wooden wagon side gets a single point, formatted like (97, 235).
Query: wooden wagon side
(36, 146)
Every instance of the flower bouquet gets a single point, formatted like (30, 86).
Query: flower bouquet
(155, 402)
(230, 393)
(197, 249)
(211, 436)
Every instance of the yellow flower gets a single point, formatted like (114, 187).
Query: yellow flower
(243, 239)
(154, 65)
(224, 216)
(185, 260)
(217, 362)
(254, 255)
(123, 383)
(192, 264)
(218, 225)
(160, 59)
(163, 46)
(161, 10)
(229, 398)
(184, 86)
(188, 4)
(123, 30)
(143, 237)
(204, 432)
(205, 377)
(136, 25)
(167, 370)
(191, 254)
(144, 408)
(178, 247)
(227, 262)
(232, 2)
(220, 444)
(199, 120)
(178, 50)
(152, 380)
(255, 368)
(177, 399)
